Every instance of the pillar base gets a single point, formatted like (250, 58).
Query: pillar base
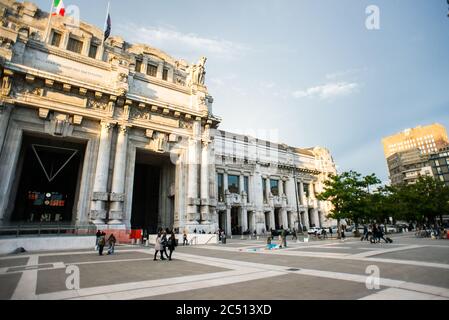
(115, 222)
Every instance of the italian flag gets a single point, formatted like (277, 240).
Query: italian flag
(59, 8)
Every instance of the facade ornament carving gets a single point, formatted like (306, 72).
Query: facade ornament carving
(183, 124)
(140, 113)
(105, 125)
(6, 83)
(96, 104)
(197, 72)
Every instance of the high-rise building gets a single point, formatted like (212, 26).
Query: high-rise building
(440, 165)
(407, 153)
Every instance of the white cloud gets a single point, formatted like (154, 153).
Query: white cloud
(183, 45)
(327, 91)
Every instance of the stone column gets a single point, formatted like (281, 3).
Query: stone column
(244, 218)
(306, 221)
(205, 182)
(302, 197)
(228, 221)
(225, 182)
(241, 183)
(192, 184)
(253, 222)
(100, 194)
(315, 217)
(272, 223)
(268, 187)
(251, 190)
(281, 188)
(116, 213)
(5, 115)
(284, 217)
(160, 70)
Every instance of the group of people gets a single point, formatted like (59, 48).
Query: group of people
(101, 242)
(163, 243)
(374, 233)
(283, 238)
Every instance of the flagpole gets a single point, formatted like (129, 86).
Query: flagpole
(49, 21)
(104, 28)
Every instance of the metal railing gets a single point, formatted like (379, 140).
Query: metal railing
(41, 230)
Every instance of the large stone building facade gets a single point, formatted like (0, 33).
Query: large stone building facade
(123, 136)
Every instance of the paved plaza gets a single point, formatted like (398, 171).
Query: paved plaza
(410, 268)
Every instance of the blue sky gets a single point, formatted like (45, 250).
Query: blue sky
(308, 69)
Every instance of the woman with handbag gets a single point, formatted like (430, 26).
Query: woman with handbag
(158, 247)
(171, 244)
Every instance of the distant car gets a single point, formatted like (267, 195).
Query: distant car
(315, 229)
(391, 229)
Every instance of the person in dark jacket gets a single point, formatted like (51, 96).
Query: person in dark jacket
(97, 235)
(365, 233)
(101, 243)
(171, 244)
(164, 242)
(111, 241)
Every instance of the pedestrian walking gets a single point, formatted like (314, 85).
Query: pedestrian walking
(164, 243)
(158, 247)
(171, 244)
(97, 237)
(284, 238)
(343, 236)
(101, 243)
(331, 232)
(295, 234)
(111, 241)
(185, 242)
(365, 233)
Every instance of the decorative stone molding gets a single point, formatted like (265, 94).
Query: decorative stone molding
(149, 133)
(6, 82)
(66, 87)
(98, 95)
(193, 202)
(83, 91)
(100, 196)
(50, 83)
(97, 214)
(77, 120)
(117, 197)
(29, 78)
(116, 215)
(43, 113)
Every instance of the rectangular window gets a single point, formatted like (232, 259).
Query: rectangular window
(152, 70)
(246, 187)
(93, 51)
(165, 75)
(220, 183)
(274, 186)
(75, 45)
(56, 39)
(138, 65)
(264, 190)
(233, 184)
(306, 190)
